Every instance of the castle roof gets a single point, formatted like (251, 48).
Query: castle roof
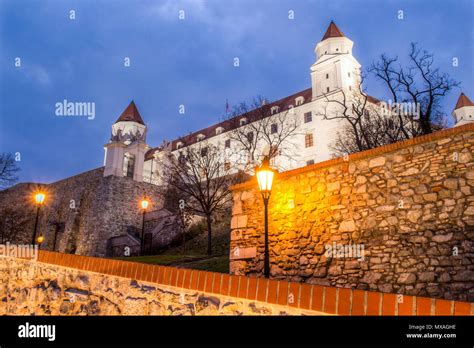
(131, 114)
(284, 104)
(463, 101)
(332, 31)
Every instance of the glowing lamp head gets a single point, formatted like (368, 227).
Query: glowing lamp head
(39, 198)
(40, 239)
(265, 178)
(144, 204)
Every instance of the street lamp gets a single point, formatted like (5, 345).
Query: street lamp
(265, 176)
(144, 205)
(39, 200)
(40, 240)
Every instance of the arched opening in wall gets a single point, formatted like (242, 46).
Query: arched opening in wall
(128, 165)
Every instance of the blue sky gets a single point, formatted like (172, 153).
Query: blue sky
(187, 62)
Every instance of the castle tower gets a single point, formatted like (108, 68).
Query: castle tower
(463, 113)
(335, 67)
(125, 152)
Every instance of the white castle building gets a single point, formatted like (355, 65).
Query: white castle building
(335, 70)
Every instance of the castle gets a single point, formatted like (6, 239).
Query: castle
(97, 212)
(335, 70)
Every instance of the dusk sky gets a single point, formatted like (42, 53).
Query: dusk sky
(188, 62)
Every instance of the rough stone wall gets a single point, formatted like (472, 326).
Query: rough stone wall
(91, 207)
(34, 288)
(16, 204)
(409, 204)
(66, 284)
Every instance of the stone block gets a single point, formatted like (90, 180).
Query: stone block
(430, 197)
(406, 278)
(377, 162)
(333, 186)
(347, 226)
(451, 183)
(238, 221)
(243, 253)
(442, 238)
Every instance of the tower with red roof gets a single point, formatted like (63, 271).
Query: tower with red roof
(463, 112)
(335, 67)
(125, 152)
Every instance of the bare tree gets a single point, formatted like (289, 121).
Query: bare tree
(420, 83)
(199, 173)
(184, 218)
(8, 170)
(367, 123)
(261, 128)
(175, 202)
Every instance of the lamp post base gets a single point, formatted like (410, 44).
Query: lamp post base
(266, 266)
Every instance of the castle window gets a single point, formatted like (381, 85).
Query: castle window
(327, 89)
(308, 140)
(219, 130)
(179, 145)
(299, 100)
(243, 121)
(337, 49)
(349, 74)
(327, 76)
(310, 162)
(227, 143)
(128, 165)
(308, 117)
(275, 109)
(273, 128)
(350, 88)
(204, 152)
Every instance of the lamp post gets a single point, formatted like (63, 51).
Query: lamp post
(265, 180)
(39, 200)
(144, 205)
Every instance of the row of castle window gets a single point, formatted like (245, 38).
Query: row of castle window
(227, 164)
(308, 117)
(308, 141)
(348, 74)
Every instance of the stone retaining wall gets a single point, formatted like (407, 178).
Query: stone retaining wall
(90, 208)
(409, 205)
(64, 284)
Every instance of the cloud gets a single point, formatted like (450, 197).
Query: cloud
(231, 20)
(37, 74)
(169, 9)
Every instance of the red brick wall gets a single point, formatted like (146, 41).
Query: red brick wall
(329, 300)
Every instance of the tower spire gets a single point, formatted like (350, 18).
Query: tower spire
(131, 114)
(332, 31)
(463, 112)
(335, 67)
(463, 101)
